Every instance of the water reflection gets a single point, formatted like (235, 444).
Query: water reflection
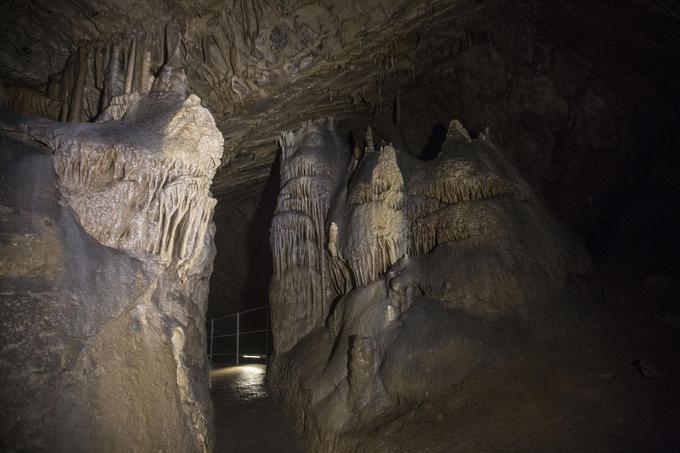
(240, 384)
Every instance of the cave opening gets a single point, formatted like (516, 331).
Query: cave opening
(339, 226)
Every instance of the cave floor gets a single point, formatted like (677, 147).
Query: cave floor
(247, 419)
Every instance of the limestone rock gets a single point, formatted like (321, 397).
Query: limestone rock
(439, 269)
(105, 266)
(310, 170)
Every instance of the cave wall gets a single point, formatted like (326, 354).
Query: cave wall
(106, 254)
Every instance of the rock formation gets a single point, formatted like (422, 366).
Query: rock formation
(312, 158)
(106, 254)
(399, 279)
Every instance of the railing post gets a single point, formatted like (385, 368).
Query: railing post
(238, 331)
(212, 331)
(266, 335)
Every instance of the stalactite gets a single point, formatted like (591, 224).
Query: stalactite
(370, 146)
(461, 186)
(66, 90)
(139, 61)
(163, 201)
(397, 107)
(76, 109)
(112, 77)
(298, 234)
(183, 207)
(173, 41)
(130, 67)
(100, 55)
(145, 72)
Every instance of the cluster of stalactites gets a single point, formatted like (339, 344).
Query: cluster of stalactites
(385, 217)
(388, 222)
(385, 183)
(298, 236)
(102, 70)
(376, 235)
(98, 71)
(142, 203)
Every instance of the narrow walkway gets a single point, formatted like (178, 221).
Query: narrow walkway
(247, 419)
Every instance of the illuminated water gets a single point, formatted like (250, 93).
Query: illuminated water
(247, 419)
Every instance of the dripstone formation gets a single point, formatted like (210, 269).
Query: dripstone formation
(106, 253)
(395, 279)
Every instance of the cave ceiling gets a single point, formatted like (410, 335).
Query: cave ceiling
(262, 67)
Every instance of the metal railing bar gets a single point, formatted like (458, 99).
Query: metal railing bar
(241, 333)
(238, 335)
(212, 332)
(253, 309)
(240, 312)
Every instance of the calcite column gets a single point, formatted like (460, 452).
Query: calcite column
(312, 162)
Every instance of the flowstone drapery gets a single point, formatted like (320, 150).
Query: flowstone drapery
(309, 174)
(435, 270)
(109, 327)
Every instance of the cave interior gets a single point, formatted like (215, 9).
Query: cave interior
(462, 219)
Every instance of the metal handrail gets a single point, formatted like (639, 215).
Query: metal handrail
(237, 334)
(239, 313)
(240, 333)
